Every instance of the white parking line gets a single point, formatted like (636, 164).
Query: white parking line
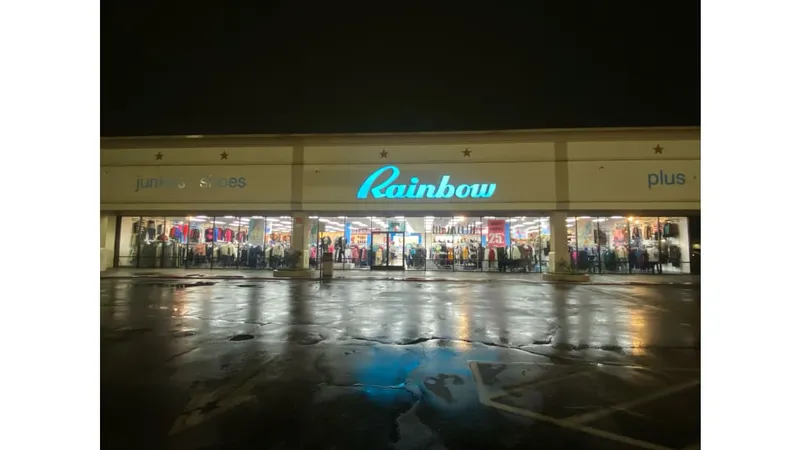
(234, 393)
(534, 384)
(666, 392)
(485, 399)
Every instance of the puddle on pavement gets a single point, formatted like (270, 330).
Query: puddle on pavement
(242, 337)
(180, 285)
(183, 333)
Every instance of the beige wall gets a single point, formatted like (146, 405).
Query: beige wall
(249, 187)
(518, 186)
(632, 176)
(573, 170)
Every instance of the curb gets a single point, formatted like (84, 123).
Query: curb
(407, 279)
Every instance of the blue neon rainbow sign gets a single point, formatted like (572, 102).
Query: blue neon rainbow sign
(414, 190)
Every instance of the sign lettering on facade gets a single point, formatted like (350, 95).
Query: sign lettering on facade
(180, 183)
(415, 190)
(665, 179)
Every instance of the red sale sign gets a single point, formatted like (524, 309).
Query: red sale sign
(496, 233)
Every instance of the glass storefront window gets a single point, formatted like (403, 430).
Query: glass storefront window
(252, 242)
(200, 242)
(225, 249)
(150, 238)
(644, 255)
(524, 232)
(356, 241)
(397, 240)
(128, 252)
(608, 244)
(674, 244)
(415, 249)
(587, 258)
(331, 237)
(613, 242)
(495, 238)
(572, 243)
(277, 242)
(387, 242)
(174, 250)
(439, 243)
(469, 251)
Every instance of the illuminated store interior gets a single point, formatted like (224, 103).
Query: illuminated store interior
(515, 244)
(204, 241)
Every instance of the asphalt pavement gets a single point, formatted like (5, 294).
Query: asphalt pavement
(239, 364)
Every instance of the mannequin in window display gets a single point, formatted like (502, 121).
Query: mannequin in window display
(151, 230)
(339, 249)
(325, 243)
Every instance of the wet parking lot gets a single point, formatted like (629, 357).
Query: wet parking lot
(191, 364)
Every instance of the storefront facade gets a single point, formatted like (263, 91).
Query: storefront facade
(611, 201)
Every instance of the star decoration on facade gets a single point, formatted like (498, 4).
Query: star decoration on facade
(223, 155)
(658, 149)
(159, 156)
(467, 152)
(384, 154)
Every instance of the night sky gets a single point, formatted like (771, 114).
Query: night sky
(324, 67)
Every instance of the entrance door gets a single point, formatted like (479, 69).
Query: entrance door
(388, 250)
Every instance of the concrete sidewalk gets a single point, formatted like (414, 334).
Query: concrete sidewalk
(474, 277)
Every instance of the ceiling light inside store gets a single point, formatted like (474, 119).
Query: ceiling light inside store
(617, 217)
(230, 217)
(512, 220)
(570, 219)
(599, 219)
(202, 217)
(584, 217)
(313, 217)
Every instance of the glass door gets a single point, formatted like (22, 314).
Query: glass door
(387, 250)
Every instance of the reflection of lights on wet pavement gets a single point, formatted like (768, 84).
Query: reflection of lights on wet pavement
(638, 330)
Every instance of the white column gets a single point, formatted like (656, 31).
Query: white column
(103, 228)
(558, 240)
(108, 228)
(301, 237)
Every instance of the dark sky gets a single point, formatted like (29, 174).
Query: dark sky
(319, 67)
